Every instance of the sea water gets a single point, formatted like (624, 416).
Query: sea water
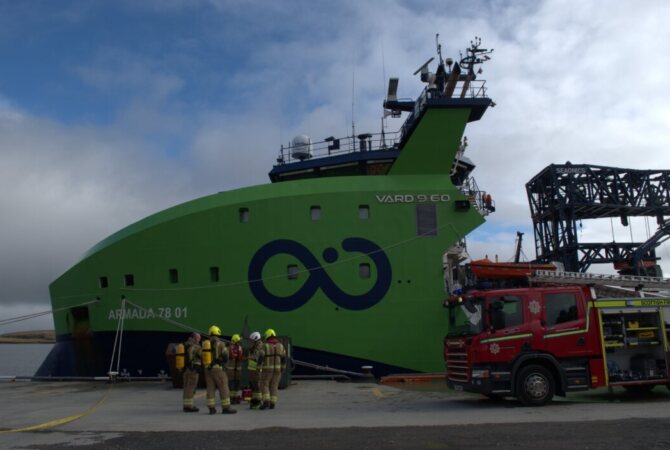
(22, 360)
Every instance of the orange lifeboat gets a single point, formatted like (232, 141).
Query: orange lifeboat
(487, 269)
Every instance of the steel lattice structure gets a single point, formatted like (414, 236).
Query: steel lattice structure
(561, 195)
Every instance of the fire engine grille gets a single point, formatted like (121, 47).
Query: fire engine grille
(457, 365)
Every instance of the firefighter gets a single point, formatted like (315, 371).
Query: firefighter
(274, 364)
(254, 366)
(215, 376)
(234, 369)
(192, 366)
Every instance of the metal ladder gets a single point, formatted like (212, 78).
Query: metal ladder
(615, 281)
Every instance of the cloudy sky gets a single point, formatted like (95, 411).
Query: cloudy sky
(110, 111)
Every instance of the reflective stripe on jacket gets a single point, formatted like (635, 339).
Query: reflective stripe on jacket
(219, 353)
(256, 357)
(193, 353)
(275, 355)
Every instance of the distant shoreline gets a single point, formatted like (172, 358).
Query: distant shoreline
(29, 337)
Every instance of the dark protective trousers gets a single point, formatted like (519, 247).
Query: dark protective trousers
(215, 379)
(234, 382)
(270, 385)
(190, 378)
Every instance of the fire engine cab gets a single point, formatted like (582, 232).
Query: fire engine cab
(536, 342)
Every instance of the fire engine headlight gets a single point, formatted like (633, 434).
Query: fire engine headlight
(480, 373)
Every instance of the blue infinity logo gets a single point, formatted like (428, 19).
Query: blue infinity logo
(318, 278)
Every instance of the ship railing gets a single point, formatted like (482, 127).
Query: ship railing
(330, 146)
(464, 89)
(481, 200)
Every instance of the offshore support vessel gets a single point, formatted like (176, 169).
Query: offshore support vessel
(343, 251)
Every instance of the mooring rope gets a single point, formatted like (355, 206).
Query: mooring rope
(42, 313)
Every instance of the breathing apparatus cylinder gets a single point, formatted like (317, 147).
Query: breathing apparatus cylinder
(206, 353)
(179, 356)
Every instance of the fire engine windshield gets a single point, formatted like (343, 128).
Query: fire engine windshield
(465, 317)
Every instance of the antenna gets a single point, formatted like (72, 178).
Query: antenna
(424, 67)
(383, 64)
(353, 89)
(475, 55)
(439, 47)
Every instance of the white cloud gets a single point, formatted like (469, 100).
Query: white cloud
(115, 70)
(65, 188)
(8, 111)
(573, 81)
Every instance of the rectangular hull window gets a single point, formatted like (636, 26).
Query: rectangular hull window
(364, 212)
(244, 215)
(426, 219)
(129, 280)
(174, 276)
(316, 212)
(292, 270)
(364, 270)
(103, 282)
(214, 274)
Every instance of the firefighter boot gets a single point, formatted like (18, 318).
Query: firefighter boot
(265, 405)
(228, 411)
(191, 409)
(254, 403)
(212, 410)
(272, 405)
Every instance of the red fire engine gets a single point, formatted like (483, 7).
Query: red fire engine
(536, 342)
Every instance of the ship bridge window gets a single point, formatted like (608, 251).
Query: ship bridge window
(426, 219)
(174, 276)
(214, 274)
(363, 212)
(364, 270)
(103, 282)
(244, 215)
(129, 280)
(292, 271)
(316, 212)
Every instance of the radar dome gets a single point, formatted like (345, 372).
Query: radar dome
(301, 147)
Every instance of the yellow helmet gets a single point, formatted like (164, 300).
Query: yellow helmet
(235, 338)
(270, 332)
(214, 331)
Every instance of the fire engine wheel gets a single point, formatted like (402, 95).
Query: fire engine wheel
(534, 386)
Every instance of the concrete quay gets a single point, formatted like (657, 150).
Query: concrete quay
(326, 414)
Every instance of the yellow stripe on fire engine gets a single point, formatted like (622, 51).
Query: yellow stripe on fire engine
(622, 303)
(507, 338)
(610, 303)
(602, 348)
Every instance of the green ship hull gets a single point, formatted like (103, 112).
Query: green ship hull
(349, 267)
